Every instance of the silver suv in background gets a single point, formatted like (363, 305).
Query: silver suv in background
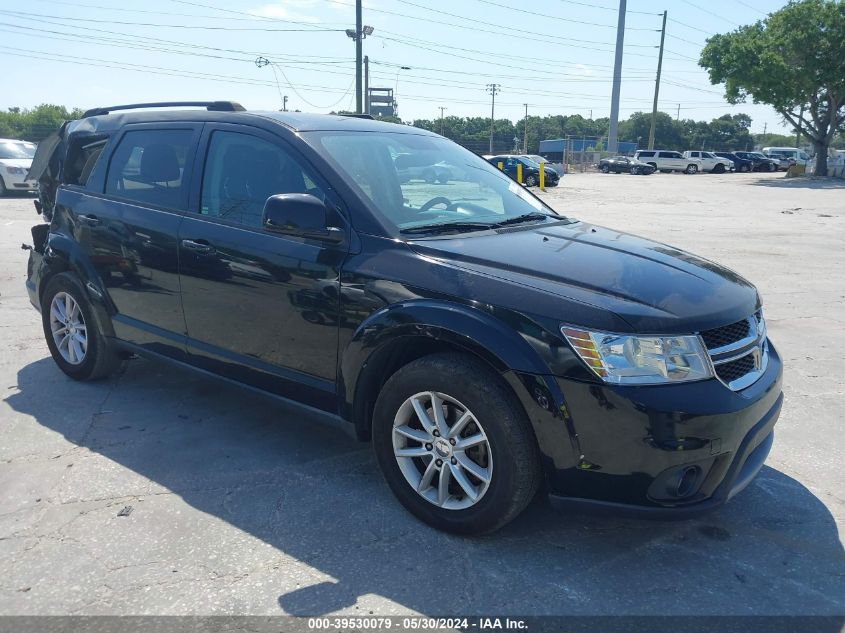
(666, 160)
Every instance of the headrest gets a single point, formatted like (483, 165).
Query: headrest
(160, 164)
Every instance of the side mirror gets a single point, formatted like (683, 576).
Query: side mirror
(301, 215)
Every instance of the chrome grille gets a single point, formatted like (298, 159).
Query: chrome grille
(735, 369)
(739, 351)
(722, 336)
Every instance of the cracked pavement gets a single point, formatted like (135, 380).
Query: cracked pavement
(241, 505)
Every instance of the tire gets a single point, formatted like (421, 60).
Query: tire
(719, 169)
(745, 169)
(635, 171)
(691, 169)
(99, 358)
(508, 449)
(3, 189)
(530, 181)
(653, 165)
(772, 167)
(605, 169)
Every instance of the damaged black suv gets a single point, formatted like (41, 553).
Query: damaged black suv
(489, 347)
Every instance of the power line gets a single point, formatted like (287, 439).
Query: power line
(708, 12)
(542, 15)
(168, 26)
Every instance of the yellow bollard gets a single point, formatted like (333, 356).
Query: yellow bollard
(501, 166)
(519, 173)
(542, 176)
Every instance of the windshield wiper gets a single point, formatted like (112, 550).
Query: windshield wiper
(445, 227)
(526, 217)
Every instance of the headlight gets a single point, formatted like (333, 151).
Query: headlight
(640, 360)
(15, 170)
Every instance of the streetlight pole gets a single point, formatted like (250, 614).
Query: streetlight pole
(492, 89)
(359, 101)
(617, 80)
(366, 84)
(657, 84)
(442, 109)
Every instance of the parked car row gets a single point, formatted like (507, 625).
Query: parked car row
(646, 162)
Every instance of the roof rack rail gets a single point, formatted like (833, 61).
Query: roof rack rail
(214, 106)
(356, 115)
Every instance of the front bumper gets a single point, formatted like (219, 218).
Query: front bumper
(18, 182)
(635, 443)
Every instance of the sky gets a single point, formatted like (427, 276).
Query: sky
(556, 55)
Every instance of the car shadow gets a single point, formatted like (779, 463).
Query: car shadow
(801, 182)
(306, 488)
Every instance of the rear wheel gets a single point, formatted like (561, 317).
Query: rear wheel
(74, 337)
(454, 446)
(772, 167)
(691, 169)
(531, 181)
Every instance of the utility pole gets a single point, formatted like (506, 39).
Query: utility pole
(525, 125)
(442, 109)
(678, 116)
(366, 84)
(285, 103)
(765, 125)
(493, 89)
(617, 81)
(359, 101)
(657, 84)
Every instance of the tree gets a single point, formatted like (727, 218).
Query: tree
(794, 60)
(35, 124)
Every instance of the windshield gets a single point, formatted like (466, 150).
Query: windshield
(417, 181)
(16, 150)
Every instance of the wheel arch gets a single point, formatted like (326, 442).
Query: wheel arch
(399, 334)
(64, 255)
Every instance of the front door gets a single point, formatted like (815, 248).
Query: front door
(260, 307)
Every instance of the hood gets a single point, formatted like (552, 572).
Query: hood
(652, 287)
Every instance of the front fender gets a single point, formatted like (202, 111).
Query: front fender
(458, 326)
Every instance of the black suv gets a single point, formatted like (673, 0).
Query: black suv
(490, 347)
(740, 164)
(511, 163)
(759, 162)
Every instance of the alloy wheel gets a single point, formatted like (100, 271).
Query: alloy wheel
(442, 450)
(68, 327)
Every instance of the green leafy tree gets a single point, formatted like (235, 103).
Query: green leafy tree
(794, 60)
(35, 124)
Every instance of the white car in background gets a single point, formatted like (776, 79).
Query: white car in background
(15, 161)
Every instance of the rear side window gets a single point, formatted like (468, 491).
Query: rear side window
(148, 166)
(645, 154)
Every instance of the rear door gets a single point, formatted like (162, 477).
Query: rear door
(260, 307)
(672, 160)
(128, 224)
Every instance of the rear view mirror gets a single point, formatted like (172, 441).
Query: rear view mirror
(301, 215)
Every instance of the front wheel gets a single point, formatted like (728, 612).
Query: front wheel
(635, 171)
(773, 167)
(3, 189)
(719, 169)
(605, 169)
(454, 444)
(74, 337)
(691, 169)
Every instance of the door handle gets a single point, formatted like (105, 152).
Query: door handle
(90, 219)
(198, 246)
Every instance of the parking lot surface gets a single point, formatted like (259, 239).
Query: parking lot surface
(240, 505)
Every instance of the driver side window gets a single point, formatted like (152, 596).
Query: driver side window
(242, 171)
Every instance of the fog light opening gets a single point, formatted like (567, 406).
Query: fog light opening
(687, 481)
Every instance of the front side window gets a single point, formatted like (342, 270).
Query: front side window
(393, 171)
(242, 171)
(148, 165)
